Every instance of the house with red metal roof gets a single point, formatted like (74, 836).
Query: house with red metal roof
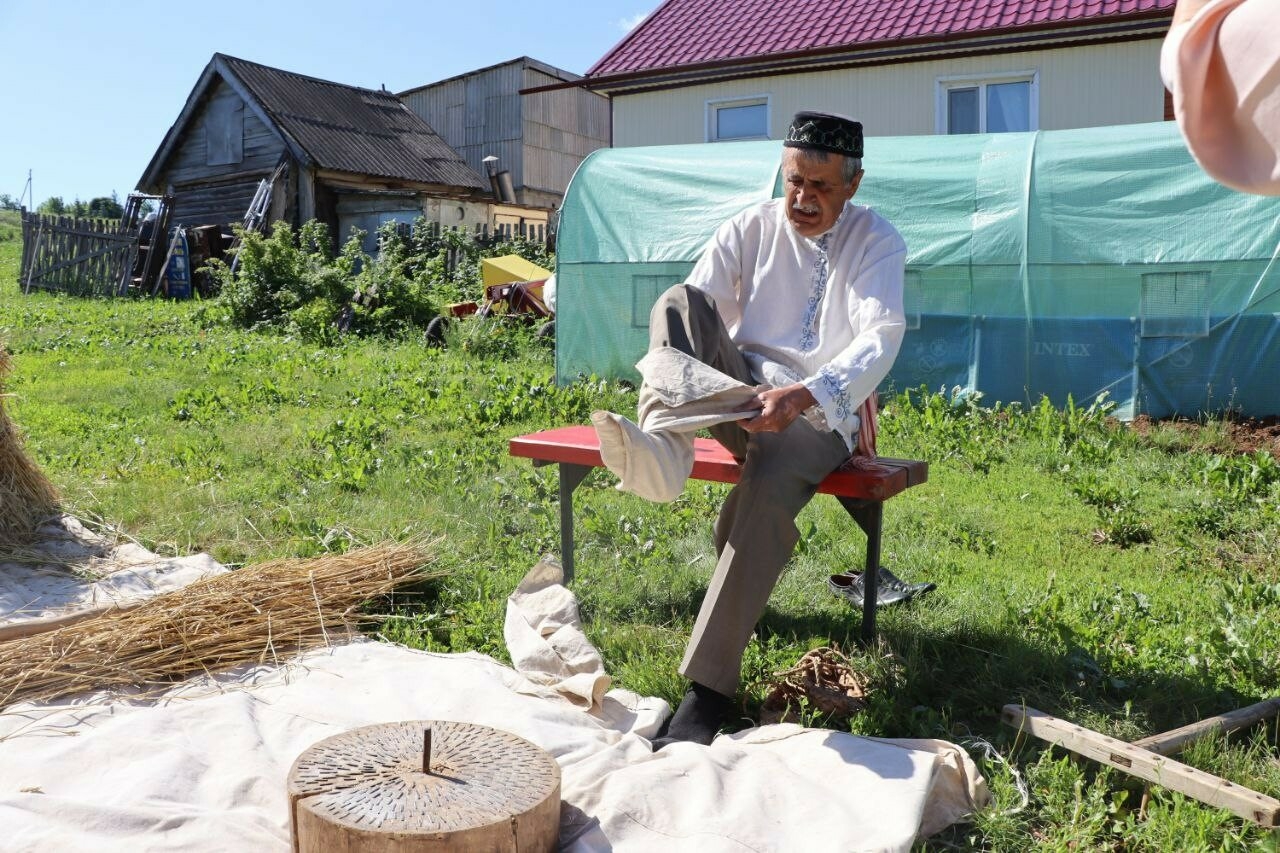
(720, 70)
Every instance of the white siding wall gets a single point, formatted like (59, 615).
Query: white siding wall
(1084, 86)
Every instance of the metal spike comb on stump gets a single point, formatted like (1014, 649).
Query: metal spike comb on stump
(424, 786)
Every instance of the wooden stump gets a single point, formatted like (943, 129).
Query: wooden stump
(421, 786)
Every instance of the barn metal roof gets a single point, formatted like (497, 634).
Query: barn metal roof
(331, 127)
(349, 129)
(683, 33)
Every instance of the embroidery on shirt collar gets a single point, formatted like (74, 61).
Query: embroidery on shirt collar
(817, 289)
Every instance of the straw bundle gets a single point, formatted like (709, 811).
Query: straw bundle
(251, 615)
(26, 496)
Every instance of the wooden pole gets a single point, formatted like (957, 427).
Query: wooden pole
(34, 252)
(1173, 742)
(1145, 764)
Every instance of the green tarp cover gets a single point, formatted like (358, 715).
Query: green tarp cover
(1057, 263)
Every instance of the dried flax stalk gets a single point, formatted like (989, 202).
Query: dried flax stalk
(823, 679)
(247, 616)
(26, 495)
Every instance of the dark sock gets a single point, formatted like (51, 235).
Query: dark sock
(698, 718)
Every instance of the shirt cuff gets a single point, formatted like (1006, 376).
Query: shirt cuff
(832, 393)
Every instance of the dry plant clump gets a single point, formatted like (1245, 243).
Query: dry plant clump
(256, 614)
(26, 496)
(823, 680)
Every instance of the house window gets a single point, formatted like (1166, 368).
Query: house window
(1001, 104)
(1175, 304)
(741, 118)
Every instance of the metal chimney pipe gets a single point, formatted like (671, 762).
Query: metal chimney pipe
(491, 169)
(506, 192)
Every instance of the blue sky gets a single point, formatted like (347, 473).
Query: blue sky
(88, 89)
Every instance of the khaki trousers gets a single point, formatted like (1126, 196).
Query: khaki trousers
(756, 531)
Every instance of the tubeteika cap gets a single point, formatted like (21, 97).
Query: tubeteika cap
(825, 132)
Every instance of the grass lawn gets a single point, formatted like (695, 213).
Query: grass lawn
(1127, 582)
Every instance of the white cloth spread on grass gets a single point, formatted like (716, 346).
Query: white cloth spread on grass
(680, 396)
(86, 572)
(826, 312)
(1223, 68)
(205, 767)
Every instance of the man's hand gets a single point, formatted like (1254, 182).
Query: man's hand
(778, 407)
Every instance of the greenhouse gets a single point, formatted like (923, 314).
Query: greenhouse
(1058, 263)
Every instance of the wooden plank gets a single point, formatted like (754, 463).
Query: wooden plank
(81, 255)
(1136, 761)
(35, 252)
(1173, 742)
(94, 232)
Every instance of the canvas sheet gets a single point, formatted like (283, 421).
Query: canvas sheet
(204, 768)
(86, 572)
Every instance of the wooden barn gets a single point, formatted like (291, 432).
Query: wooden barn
(347, 156)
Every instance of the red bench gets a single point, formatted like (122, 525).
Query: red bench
(861, 490)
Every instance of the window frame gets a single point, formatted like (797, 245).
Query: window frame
(714, 105)
(645, 290)
(1157, 298)
(943, 85)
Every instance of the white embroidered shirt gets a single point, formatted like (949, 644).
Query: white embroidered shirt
(825, 311)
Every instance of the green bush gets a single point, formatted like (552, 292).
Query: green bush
(282, 274)
(294, 283)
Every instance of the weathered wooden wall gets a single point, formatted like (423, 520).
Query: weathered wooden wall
(208, 193)
(368, 213)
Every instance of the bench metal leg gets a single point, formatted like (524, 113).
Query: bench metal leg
(870, 517)
(570, 476)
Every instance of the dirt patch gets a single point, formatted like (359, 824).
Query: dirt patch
(1240, 435)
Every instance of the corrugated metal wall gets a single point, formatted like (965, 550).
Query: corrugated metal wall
(560, 129)
(1086, 86)
(478, 115)
(539, 138)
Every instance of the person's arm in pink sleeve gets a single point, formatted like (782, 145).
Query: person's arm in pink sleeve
(1221, 61)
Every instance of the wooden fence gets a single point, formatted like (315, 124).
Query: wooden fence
(483, 235)
(96, 257)
(83, 257)
(487, 237)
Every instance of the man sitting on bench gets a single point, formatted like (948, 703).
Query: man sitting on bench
(802, 295)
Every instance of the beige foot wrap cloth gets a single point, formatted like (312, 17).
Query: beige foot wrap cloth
(679, 396)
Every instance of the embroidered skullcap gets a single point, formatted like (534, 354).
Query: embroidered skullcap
(825, 132)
